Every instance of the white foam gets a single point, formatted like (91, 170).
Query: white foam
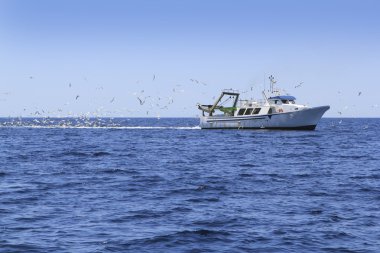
(105, 127)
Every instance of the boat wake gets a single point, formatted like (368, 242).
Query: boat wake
(106, 127)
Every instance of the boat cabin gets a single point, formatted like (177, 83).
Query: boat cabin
(272, 105)
(280, 100)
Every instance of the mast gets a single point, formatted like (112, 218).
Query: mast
(273, 89)
(272, 82)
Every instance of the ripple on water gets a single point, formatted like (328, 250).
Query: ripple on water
(185, 240)
(158, 186)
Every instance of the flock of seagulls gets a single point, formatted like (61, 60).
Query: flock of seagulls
(150, 104)
(77, 122)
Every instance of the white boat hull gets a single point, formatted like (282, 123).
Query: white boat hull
(306, 119)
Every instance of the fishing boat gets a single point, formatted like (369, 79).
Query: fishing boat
(274, 111)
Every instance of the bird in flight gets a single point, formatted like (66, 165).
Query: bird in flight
(298, 85)
(76, 98)
(194, 80)
(359, 93)
(142, 101)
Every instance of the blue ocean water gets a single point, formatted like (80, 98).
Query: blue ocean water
(164, 185)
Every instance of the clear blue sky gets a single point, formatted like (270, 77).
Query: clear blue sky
(111, 50)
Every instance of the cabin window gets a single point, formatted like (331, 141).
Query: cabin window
(241, 111)
(285, 101)
(256, 111)
(248, 111)
(292, 101)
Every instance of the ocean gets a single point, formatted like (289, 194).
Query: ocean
(164, 185)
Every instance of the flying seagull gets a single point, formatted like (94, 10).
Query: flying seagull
(76, 98)
(142, 101)
(359, 93)
(299, 85)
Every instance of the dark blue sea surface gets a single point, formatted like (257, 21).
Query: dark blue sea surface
(164, 185)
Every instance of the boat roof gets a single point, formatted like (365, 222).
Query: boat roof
(283, 97)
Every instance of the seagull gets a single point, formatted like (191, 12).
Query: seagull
(76, 98)
(299, 85)
(340, 113)
(142, 101)
(70, 85)
(154, 77)
(30, 77)
(113, 99)
(201, 187)
(359, 93)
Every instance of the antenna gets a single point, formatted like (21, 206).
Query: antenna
(271, 79)
(264, 86)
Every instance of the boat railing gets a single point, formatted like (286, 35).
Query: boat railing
(230, 91)
(252, 103)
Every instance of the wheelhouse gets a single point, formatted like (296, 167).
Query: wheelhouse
(281, 100)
